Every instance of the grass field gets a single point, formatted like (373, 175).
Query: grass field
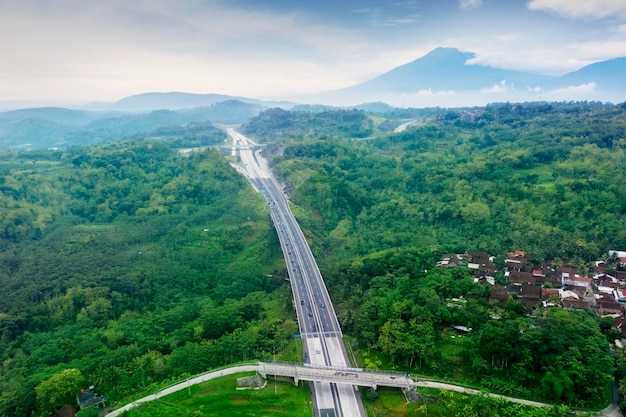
(219, 397)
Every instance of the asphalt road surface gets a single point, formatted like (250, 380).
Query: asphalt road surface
(319, 327)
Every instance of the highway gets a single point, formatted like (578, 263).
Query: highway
(319, 327)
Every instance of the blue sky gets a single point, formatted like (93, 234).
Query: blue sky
(103, 50)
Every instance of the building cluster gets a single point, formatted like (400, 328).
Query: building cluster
(552, 285)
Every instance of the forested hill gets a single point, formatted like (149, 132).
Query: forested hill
(546, 178)
(127, 264)
(41, 128)
(278, 124)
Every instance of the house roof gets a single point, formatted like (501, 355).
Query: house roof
(88, 398)
(568, 294)
(478, 256)
(579, 290)
(547, 292)
(575, 304)
(604, 277)
(530, 302)
(620, 324)
(519, 277)
(498, 294)
(609, 306)
(605, 289)
(538, 272)
(529, 290)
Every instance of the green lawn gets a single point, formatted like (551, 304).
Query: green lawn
(220, 398)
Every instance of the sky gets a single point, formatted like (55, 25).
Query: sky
(75, 51)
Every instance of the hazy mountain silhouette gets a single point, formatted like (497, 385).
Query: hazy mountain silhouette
(445, 69)
(58, 127)
(175, 101)
(448, 71)
(57, 115)
(608, 75)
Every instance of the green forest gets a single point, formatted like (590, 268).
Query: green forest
(129, 265)
(544, 178)
(126, 264)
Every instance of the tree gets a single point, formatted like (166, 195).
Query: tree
(58, 390)
(622, 388)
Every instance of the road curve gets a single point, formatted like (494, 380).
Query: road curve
(185, 384)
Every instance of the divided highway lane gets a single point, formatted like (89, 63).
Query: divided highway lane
(319, 327)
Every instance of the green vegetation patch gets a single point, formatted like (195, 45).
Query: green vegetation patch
(219, 397)
(132, 266)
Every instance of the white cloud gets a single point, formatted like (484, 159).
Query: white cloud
(430, 92)
(470, 4)
(581, 9)
(573, 92)
(160, 45)
(523, 53)
(503, 87)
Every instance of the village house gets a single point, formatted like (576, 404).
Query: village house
(88, 398)
(550, 286)
(479, 263)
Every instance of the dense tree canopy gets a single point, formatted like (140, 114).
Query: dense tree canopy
(544, 178)
(128, 264)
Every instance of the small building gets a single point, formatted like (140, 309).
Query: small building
(548, 293)
(498, 294)
(520, 278)
(572, 304)
(88, 398)
(609, 307)
(620, 324)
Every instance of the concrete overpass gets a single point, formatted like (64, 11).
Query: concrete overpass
(337, 375)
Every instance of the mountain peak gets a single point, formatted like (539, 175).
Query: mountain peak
(446, 54)
(445, 69)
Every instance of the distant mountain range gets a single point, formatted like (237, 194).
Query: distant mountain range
(175, 101)
(444, 77)
(53, 127)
